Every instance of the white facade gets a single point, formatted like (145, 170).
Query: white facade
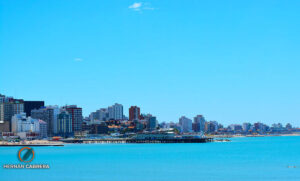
(20, 123)
(115, 111)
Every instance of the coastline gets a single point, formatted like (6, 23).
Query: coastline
(105, 141)
(244, 136)
(215, 138)
(32, 143)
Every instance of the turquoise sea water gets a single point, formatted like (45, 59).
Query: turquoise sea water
(262, 158)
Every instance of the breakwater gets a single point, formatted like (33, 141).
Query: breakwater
(129, 140)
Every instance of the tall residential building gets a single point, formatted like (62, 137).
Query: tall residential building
(236, 128)
(30, 105)
(103, 114)
(152, 123)
(115, 111)
(76, 115)
(17, 106)
(49, 115)
(259, 127)
(100, 115)
(111, 113)
(211, 126)
(43, 129)
(246, 127)
(5, 117)
(8, 108)
(65, 127)
(134, 113)
(186, 124)
(199, 122)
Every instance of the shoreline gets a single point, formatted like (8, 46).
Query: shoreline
(245, 136)
(31, 143)
(39, 145)
(43, 143)
(104, 141)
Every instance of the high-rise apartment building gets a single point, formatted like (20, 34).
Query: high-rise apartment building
(49, 115)
(152, 123)
(246, 127)
(8, 108)
(17, 106)
(43, 129)
(186, 124)
(76, 115)
(65, 127)
(102, 114)
(211, 126)
(134, 113)
(199, 123)
(115, 111)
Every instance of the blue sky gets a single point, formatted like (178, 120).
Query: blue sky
(232, 61)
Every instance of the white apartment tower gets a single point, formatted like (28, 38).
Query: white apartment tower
(115, 111)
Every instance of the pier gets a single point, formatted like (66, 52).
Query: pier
(129, 140)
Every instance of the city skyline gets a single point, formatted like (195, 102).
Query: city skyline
(68, 121)
(117, 112)
(231, 61)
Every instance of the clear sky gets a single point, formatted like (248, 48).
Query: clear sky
(232, 61)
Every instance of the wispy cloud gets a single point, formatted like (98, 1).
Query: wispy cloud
(138, 6)
(78, 59)
(135, 6)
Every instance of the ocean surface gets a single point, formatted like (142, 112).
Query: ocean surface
(259, 158)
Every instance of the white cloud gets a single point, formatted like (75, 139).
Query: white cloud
(78, 59)
(135, 6)
(138, 6)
